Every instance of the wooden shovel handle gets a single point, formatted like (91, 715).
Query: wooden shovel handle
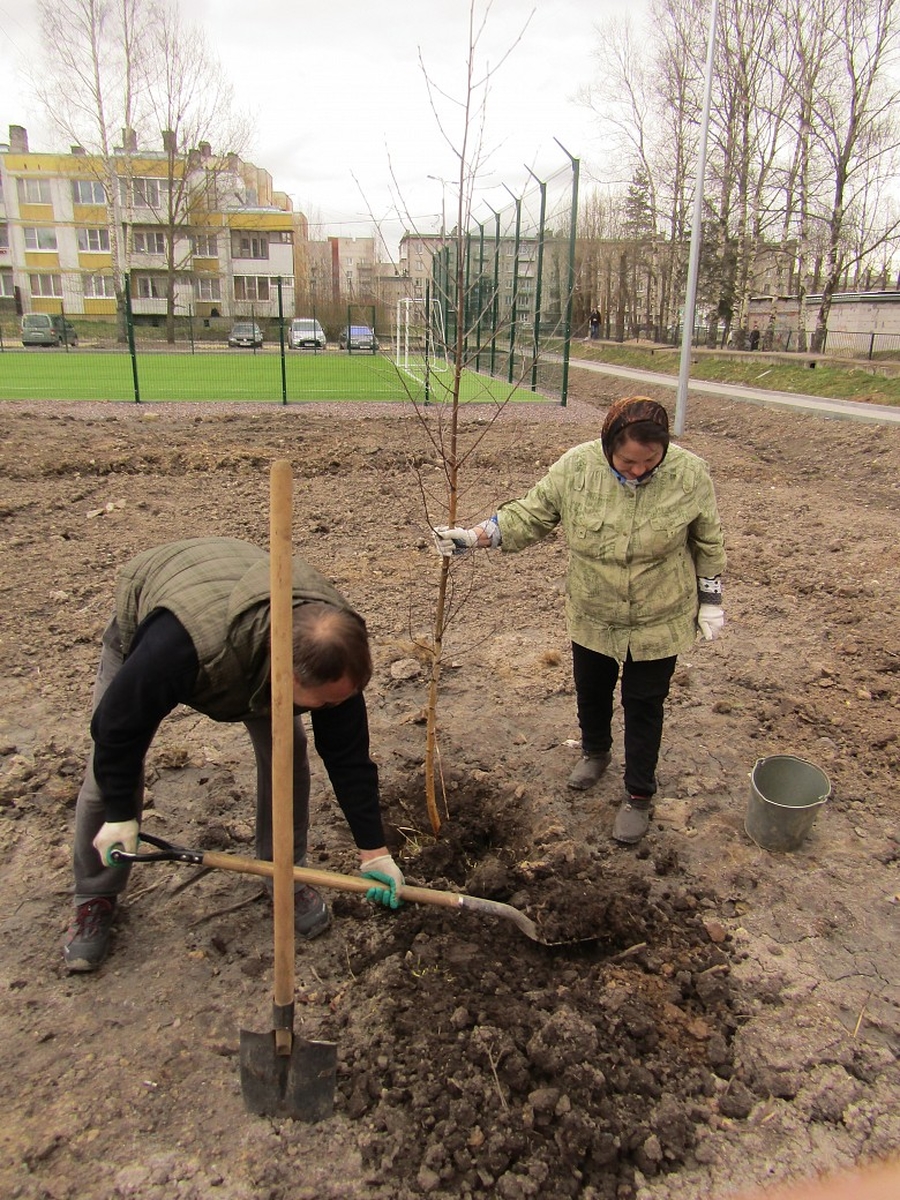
(355, 883)
(282, 661)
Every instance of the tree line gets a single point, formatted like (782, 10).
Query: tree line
(799, 196)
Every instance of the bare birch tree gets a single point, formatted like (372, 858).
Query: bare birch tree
(115, 69)
(90, 83)
(855, 128)
(191, 102)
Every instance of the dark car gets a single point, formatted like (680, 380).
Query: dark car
(245, 334)
(357, 337)
(48, 329)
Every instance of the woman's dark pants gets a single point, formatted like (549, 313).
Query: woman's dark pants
(645, 686)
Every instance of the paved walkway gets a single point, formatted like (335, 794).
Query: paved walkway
(842, 410)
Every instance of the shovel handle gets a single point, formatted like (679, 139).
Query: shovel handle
(217, 860)
(282, 671)
(355, 883)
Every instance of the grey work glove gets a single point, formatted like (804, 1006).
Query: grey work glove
(121, 835)
(455, 541)
(711, 621)
(387, 877)
(485, 534)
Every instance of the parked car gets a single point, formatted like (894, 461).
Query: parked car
(48, 329)
(305, 331)
(357, 337)
(245, 334)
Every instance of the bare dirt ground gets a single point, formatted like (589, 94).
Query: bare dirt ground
(734, 1019)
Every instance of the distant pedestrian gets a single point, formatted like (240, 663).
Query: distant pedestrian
(754, 338)
(595, 324)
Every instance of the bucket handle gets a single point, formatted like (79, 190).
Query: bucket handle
(812, 804)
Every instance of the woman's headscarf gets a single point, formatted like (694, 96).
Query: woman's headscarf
(634, 410)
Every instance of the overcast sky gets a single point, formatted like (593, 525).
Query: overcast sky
(340, 105)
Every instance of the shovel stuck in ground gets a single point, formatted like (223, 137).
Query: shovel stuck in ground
(283, 1075)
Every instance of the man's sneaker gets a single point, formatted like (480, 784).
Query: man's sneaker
(588, 771)
(632, 819)
(312, 915)
(87, 942)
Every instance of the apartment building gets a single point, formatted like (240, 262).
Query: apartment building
(208, 230)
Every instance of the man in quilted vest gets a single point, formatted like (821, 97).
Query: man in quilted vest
(191, 626)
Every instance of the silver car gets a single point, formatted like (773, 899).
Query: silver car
(306, 331)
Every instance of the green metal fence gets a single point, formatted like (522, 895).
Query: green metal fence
(504, 286)
(357, 364)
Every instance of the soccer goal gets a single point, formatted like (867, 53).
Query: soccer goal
(420, 341)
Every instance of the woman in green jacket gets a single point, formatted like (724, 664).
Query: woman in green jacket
(646, 554)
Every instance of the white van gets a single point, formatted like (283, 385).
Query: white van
(305, 331)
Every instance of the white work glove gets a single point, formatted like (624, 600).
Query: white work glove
(711, 620)
(454, 541)
(121, 835)
(389, 877)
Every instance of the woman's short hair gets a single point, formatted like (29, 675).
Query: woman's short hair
(330, 643)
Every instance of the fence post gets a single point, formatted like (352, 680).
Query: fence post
(129, 328)
(514, 307)
(281, 341)
(538, 282)
(570, 287)
(871, 346)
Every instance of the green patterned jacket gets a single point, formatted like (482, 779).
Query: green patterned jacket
(634, 554)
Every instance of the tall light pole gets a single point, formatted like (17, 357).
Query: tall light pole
(443, 183)
(687, 332)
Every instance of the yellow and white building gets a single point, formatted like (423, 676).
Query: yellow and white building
(60, 251)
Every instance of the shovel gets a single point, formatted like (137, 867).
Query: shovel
(214, 859)
(283, 1075)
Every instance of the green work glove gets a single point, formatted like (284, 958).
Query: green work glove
(116, 834)
(388, 876)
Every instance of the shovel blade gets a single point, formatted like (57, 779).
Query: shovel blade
(299, 1085)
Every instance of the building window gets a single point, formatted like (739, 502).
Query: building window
(249, 245)
(45, 285)
(207, 289)
(251, 287)
(97, 287)
(40, 239)
(284, 236)
(88, 191)
(204, 245)
(4, 237)
(150, 287)
(149, 241)
(146, 193)
(33, 191)
(95, 240)
(7, 287)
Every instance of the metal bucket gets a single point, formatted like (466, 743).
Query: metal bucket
(786, 794)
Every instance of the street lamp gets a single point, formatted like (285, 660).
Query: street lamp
(443, 183)
(687, 332)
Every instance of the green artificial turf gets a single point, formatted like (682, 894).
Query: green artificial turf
(83, 374)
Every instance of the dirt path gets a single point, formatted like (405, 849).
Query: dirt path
(736, 1020)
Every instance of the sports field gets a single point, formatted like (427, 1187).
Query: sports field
(57, 374)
